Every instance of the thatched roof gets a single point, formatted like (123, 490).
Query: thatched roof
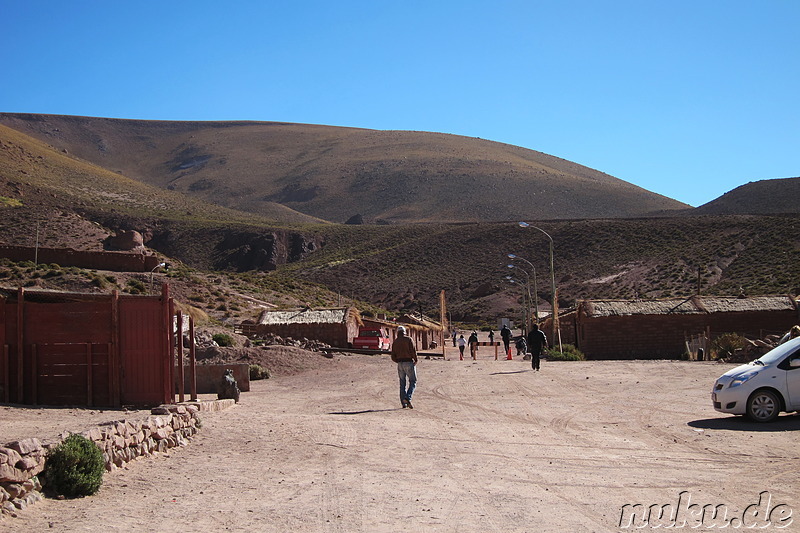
(333, 315)
(693, 305)
(421, 320)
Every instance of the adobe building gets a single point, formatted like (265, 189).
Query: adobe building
(336, 326)
(659, 329)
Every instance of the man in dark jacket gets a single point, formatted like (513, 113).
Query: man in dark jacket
(405, 355)
(473, 345)
(505, 333)
(536, 342)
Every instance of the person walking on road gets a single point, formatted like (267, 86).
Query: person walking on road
(405, 355)
(473, 345)
(462, 342)
(505, 333)
(536, 342)
(491, 335)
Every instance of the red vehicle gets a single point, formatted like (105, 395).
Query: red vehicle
(372, 339)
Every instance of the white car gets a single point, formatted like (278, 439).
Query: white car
(762, 388)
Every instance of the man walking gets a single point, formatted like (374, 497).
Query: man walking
(505, 333)
(473, 345)
(405, 355)
(536, 341)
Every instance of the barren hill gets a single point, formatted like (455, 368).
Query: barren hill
(333, 173)
(764, 197)
(59, 200)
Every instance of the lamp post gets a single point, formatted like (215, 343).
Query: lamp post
(525, 306)
(556, 327)
(151, 274)
(535, 288)
(528, 290)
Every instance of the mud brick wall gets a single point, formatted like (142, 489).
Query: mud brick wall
(67, 257)
(22, 462)
(664, 336)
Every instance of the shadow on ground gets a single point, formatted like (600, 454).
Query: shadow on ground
(741, 423)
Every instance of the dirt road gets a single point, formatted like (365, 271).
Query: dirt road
(490, 446)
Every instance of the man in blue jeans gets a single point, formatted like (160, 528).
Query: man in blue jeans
(405, 355)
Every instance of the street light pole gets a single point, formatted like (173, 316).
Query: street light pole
(535, 288)
(525, 306)
(528, 290)
(151, 274)
(556, 327)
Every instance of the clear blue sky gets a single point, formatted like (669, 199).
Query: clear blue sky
(686, 98)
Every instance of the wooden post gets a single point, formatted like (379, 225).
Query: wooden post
(114, 357)
(7, 382)
(20, 345)
(34, 366)
(169, 345)
(179, 336)
(192, 362)
(110, 376)
(89, 391)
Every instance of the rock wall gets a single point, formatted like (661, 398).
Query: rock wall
(23, 461)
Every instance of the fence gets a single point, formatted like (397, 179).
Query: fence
(87, 350)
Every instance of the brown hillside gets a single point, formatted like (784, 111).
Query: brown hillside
(765, 197)
(333, 173)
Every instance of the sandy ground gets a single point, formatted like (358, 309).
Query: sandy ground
(490, 446)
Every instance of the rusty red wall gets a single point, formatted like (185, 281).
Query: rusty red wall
(94, 350)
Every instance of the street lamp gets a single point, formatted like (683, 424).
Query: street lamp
(535, 288)
(528, 289)
(151, 274)
(525, 305)
(556, 327)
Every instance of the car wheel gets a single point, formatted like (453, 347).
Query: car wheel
(763, 406)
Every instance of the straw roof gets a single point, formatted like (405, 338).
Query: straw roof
(333, 315)
(684, 306)
(421, 320)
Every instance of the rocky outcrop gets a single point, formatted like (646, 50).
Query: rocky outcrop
(249, 251)
(126, 240)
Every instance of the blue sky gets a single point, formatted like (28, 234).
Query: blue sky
(688, 99)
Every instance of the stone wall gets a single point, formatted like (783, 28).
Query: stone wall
(23, 461)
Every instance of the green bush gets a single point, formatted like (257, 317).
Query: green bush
(135, 287)
(223, 339)
(258, 372)
(725, 345)
(568, 353)
(75, 467)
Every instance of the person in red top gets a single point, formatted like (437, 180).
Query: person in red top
(405, 355)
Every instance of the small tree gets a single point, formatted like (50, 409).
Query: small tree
(727, 344)
(75, 467)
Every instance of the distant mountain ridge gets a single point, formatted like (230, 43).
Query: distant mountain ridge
(333, 173)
